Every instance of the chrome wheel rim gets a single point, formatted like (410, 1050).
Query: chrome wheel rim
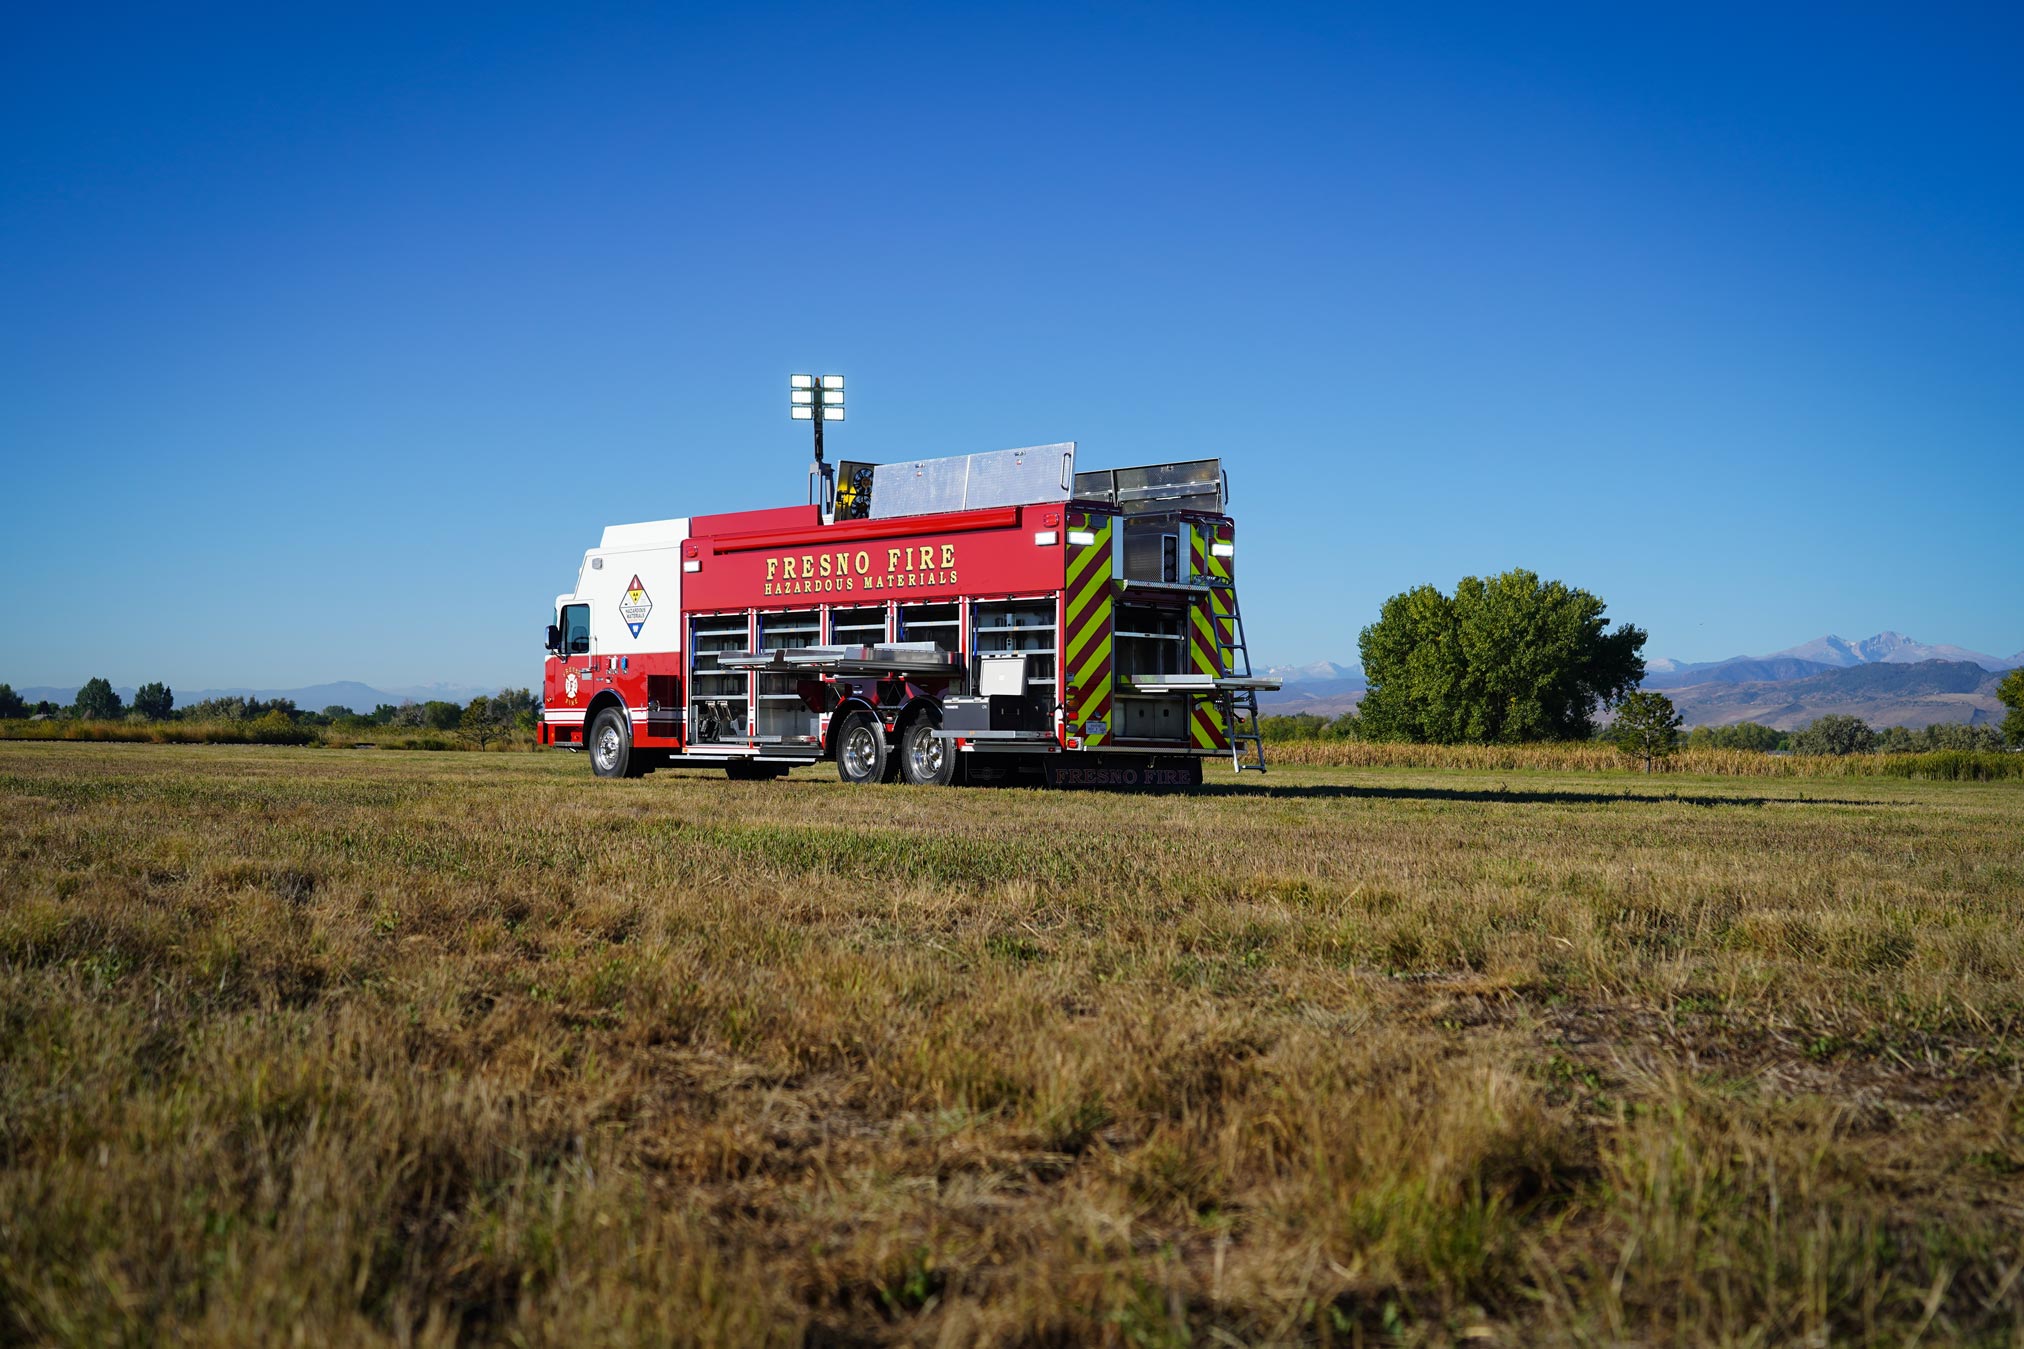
(925, 755)
(860, 751)
(607, 748)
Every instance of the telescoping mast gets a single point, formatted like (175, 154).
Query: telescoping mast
(979, 617)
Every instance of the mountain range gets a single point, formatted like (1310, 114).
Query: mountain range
(1816, 657)
(1882, 693)
(1888, 680)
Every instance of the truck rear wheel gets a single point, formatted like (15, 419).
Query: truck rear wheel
(611, 748)
(861, 755)
(926, 761)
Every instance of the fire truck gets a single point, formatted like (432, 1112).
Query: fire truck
(994, 617)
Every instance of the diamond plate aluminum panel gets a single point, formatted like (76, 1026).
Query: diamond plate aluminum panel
(972, 481)
(1194, 485)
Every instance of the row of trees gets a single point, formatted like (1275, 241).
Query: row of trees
(1838, 734)
(1647, 726)
(1832, 734)
(95, 700)
(484, 717)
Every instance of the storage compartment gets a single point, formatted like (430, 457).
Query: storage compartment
(1152, 551)
(1158, 717)
(1022, 626)
(788, 704)
(718, 699)
(997, 713)
(1152, 641)
(941, 624)
(858, 627)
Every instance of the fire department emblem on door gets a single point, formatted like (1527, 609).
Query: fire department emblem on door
(635, 607)
(569, 687)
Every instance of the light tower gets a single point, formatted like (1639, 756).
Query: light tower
(817, 399)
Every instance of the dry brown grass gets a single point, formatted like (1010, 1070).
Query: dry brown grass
(1585, 756)
(425, 1048)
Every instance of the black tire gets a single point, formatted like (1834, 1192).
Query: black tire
(611, 746)
(754, 772)
(861, 755)
(924, 760)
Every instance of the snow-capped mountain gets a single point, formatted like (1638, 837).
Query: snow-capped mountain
(1889, 648)
(1815, 657)
(1320, 669)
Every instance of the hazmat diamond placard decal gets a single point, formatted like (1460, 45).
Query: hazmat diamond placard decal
(635, 606)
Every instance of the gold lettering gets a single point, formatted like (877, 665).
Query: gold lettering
(862, 562)
(825, 564)
(787, 567)
(892, 559)
(948, 554)
(808, 564)
(772, 569)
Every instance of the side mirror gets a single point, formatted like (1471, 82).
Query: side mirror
(554, 638)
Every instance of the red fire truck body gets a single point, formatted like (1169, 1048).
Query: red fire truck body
(1092, 639)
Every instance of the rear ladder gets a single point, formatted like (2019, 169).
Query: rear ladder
(1240, 706)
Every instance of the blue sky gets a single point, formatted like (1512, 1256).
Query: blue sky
(333, 334)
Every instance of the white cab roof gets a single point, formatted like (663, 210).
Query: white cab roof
(648, 534)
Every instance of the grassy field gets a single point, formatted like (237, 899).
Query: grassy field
(334, 1046)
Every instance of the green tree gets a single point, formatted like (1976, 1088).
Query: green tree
(1294, 726)
(1834, 734)
(441, 716)
(97, 702)
(1743, 735)
(1507, 659)
(1647, 726)
(2011, 692)
(11, 704)
(1939, 735)
(481, 720)
(517, 708)
(1749, 735)
(154, 701)
(1348, 726)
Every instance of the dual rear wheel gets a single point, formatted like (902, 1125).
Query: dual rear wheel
(862, 755)
(920, 758)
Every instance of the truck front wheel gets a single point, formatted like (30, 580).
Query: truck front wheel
(926, 761)
(861, 749)
(611, 751)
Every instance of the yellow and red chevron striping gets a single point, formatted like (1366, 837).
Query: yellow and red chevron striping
(1087, 646)
(1205, 652)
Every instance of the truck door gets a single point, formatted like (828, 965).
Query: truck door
(573, 675)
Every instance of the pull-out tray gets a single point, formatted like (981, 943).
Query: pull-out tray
(1201, 683)
(908, 657)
